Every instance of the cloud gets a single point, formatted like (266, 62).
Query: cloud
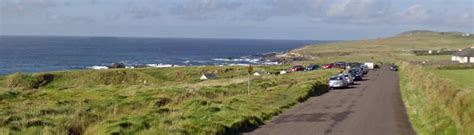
(278, 8)
(462, 19)
(143, 12)
(204, 9)
(351, 8)
(416, 14)
(9, 8)
(67, 19)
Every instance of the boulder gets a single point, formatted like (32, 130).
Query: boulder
(117, 65)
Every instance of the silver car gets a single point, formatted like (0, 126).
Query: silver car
(349, 78)
(338, 82)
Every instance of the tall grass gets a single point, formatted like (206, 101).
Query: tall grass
(436, 105)
(173, 101)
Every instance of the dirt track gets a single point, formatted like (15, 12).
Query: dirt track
(371, 107)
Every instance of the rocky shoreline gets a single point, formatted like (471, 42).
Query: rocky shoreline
(286, 57)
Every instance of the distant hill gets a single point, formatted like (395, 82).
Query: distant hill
(427, 32)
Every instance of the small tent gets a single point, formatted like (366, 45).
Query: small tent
(208, 76)
(259, 73)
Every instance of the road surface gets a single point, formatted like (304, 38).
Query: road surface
(371, 107)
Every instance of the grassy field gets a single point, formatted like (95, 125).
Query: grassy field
(149, 101)
(463, 78)
(390, 49)
(435, 104)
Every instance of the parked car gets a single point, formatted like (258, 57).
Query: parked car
(353, 65)
(341, 65)
(349, 78)
(327, 66)
(365, 69)
(297, 68)
(311, 67)
(357, 73)
(338, 82)
(394, 67)
(370, 65)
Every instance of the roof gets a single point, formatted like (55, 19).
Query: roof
(468, 52)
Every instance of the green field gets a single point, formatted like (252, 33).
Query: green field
(149, 101)
(463, 78)
(392, 49)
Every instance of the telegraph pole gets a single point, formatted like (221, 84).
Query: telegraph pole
(250, 70)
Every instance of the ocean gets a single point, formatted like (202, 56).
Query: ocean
(40, 54)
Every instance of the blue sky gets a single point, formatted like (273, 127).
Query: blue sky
(271, 19)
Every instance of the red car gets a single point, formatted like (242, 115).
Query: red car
(327, 66)
(297, 68)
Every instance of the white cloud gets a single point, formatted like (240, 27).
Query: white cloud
(204, 9)
(143, 12)
(9, 8)
(279, 8)
(416, 14)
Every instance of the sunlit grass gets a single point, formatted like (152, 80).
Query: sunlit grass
(173, 101)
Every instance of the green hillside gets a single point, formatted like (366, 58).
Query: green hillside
(175, 101)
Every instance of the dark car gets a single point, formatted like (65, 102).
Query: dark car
(394, 67)
(341, 65)
(357, 73)
(364, 69)
(297, 68)
(327, 66)
(311, 67)
(353, 64)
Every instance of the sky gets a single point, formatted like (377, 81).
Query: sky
(254, 19)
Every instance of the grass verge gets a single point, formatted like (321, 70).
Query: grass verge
(435, 105)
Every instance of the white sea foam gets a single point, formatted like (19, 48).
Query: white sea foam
(160, 65)
(98, 67)
(250, 60)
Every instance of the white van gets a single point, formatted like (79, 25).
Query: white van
(370, 65)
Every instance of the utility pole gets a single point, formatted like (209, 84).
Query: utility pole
(250, 70)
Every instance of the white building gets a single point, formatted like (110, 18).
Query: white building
(464, 56)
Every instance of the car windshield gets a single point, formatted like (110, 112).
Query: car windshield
(337, 78)
(354, 70)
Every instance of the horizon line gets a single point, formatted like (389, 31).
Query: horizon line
(97, 36)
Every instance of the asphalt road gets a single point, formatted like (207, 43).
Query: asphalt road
(371, 107)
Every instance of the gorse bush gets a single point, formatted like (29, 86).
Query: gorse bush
(435, 105)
